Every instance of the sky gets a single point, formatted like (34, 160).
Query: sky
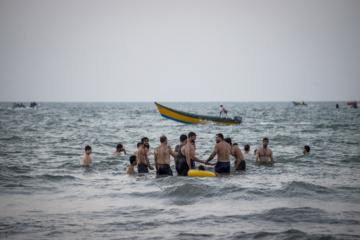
(179, 51)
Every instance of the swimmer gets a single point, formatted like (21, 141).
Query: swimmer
(202, 168)
(162, 157)
(180, 158)
(87, 158)
(143, 160)
(247, 149)
(189, 152)
(306, 149)
(264, 153)
(130, 168)
(120, 150)
(222, 149)
(240, 163)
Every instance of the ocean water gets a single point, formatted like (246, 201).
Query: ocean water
(45, 192)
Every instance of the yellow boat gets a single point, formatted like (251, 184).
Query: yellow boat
(190, 118)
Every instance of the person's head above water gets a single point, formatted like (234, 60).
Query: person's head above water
(247, 147)
(228, 140)
(163, 139)
(306, 149)
(219, 137)
(183, 137)
(138, 144)
(202, 168)
(265, 142)
(119, 147)
(132, 159)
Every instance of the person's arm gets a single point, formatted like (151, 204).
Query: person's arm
(175, 157)
(148, 162)
(257, 156)
(155, 160)
(192, 156)
(271, 156)
(213, 154)
(124, 151)
(187, 156)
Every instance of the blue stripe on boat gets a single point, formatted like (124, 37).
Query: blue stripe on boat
(176, 119)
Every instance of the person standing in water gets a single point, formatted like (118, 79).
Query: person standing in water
(130, 168)
(162, 157)
(189, 152)
(87, 159)
(264, 154)
(222, 149)
(306, 149)
(143, 160)
(240, 163)
(119, 150)
(247, 149)
(180, 158)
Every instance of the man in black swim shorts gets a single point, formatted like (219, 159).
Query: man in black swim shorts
(162, 157)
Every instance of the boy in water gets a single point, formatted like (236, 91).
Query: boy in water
(247, 149)
(87, 158)
(306, 149)
(133, 162)
(119, 150)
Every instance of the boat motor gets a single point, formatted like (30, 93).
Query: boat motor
(238, 119)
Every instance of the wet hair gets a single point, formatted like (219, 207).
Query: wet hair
(87, 148)
(138, 144)
(235, 144)
(255, 151)
(247, 147)
(132, 159)
(183, 137)
(162, 138)
(307, 148)
(143, 139)
(119, 146)
(201, 167)
(220, 135)
(228, 140)
(265, 139)
(191, 134)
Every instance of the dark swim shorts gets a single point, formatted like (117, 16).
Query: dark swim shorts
(142, 168)
(164, 169)
(242, 165)
(182, 168)
(222, 167)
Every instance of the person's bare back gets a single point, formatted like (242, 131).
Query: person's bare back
(162, 154)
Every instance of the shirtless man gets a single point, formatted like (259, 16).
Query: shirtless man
(87, 159)
(130, 168)
(189, 152)
(240, 163)
(145, 141)
(222, 149)
(180, 158)
(119, 150)
(143, 160)
(264, 153)
(162, 157)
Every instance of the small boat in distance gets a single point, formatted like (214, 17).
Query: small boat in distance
(299, 103)
(352, 104)
(190, 118)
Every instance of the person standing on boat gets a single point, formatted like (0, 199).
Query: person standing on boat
(222, 149)
(162, 157)
(223, 112)
(264, 153)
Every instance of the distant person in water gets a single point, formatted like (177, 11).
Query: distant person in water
(120, 150)
(247, 149)
(133, 162)
(143, 160)
(202, 168)
(162, 157)
(223, 112)
(222, 149)
(337, 106)
(240, 163)
(180, 158)
(264, 154)
(87, 158)
(306, 149)
(137, 146)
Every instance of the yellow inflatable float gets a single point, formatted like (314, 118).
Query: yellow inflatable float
(198, 173)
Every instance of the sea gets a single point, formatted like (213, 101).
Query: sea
(46, 193)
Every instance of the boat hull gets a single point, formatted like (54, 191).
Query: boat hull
(299, 104)
(189, 118)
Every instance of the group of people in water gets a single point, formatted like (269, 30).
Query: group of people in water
(185, 157)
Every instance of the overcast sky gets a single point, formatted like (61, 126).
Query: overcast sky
(184, 50)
